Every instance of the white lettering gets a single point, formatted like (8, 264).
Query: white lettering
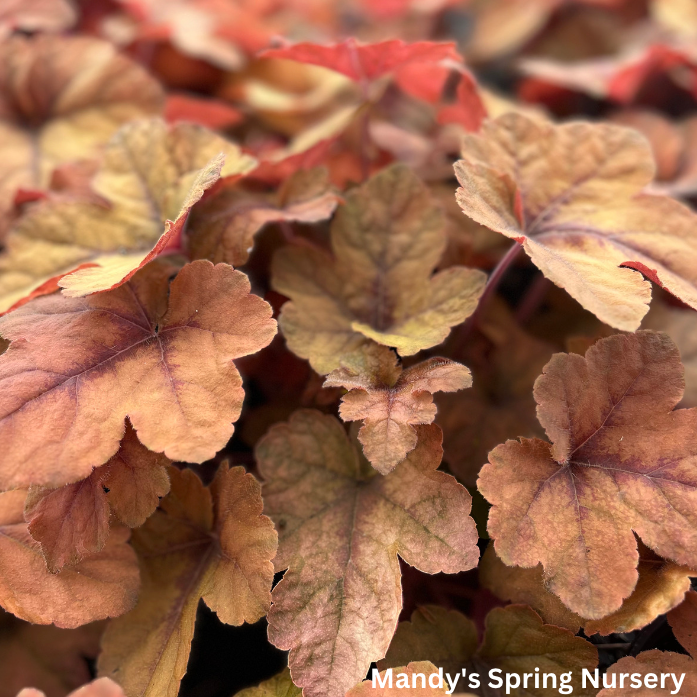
(386, 681)
(452, 683)
(510, 677)
(678, 685)
(494, 674)
(438, 676)
(594, 680)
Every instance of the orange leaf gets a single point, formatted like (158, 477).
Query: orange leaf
(390, 402)
(223, 227)
(683, 620)
(620, 460)
(106, 583)
(73, 521)
(661, 586)
(203, 543)
(151, 177)
(516, 641)
(341, 527)
(570, 195)
(60, 99)
(78, 366)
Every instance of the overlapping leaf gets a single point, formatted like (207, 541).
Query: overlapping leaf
(210, 543)
(408, 676)
(515, 641)
(620, 461)
(60, 99)
(73, 521)
(78, 366)
(151, 177)
(278, 686)
(106, 583)
(386, 241)
(571, 196)
(661, 587)
(390, 402)
(48, 658)
(683, 620)
(341, 527)
(368, 62)
(656, 663)
(223, 228)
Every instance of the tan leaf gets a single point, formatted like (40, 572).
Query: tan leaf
(446, 637)
(681, 327)
(390, 402)
(683, 620)
(279, 686)
(73, 521)
(223, 227)
(645, 664)
(516, 641)
(341, 527)
(106, 583)
(415, 675)
(661, 586)
(621, 460)
(169, 369)
(386, 241)
(151, 177)
(571, 196)
(48, 658)
(60, 99)
(211, 543)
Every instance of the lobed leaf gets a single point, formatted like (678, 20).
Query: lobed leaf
(661, 586)
(151, 177)
(570, 195)
(224, 226)
(61, 98)
(78, 366)
(620, 460)
(515, 641)
(210, 543)
(73, 521)
(386, 241)
(341, 527)
(390, 402)
(106, 583)
(656, 662)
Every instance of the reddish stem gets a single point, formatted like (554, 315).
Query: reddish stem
(496, 275)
